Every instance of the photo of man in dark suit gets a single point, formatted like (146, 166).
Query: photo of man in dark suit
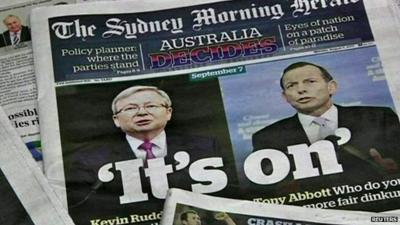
(16, 32)
(142, 114)
(373, 150)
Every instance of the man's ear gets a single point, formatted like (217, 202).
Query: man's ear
(116, 121)
(332, 87)
(169, 112)
(284, 96)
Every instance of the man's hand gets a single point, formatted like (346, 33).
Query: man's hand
(221, 216)
(224, 216)
(387, 163)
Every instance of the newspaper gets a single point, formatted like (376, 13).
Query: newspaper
(187, 208)
(139, 98)
(26, 196)
(18, 94)
(396, 8)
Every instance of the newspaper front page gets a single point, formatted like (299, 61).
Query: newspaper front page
(188, 208)
(18, 95)
(26, 196)
(139, 98)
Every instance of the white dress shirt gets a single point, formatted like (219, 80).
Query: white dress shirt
(312, 129)
(159, 146)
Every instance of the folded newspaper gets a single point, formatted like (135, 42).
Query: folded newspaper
(286, 102)
(188, 208)
(18, 95)
(26, 196)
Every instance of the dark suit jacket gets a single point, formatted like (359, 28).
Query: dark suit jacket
(88, 198)
(5, 37)
(371, 127)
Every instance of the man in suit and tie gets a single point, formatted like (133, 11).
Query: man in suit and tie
(16, 32)
(372, 153)
(142, 114)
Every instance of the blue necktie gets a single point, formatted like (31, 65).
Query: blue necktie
(324, 129)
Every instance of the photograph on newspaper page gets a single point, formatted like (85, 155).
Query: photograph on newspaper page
(275, 102)
(26, 197)
(189, 208)
(348, 161)
(18, 95)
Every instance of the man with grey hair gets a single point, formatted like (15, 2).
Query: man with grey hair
(142, 114)
(16, 32)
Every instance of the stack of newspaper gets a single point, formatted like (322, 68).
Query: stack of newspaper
(272, 102)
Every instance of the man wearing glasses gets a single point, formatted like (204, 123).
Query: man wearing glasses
(142, 114)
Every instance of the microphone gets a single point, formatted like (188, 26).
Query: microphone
(352, 150)
(93, 190)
